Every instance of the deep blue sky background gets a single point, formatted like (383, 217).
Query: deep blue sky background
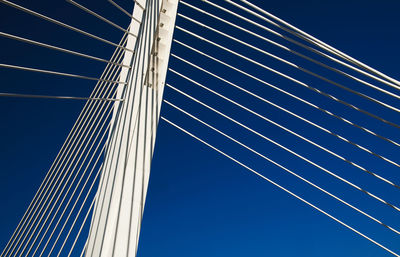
(200, 203)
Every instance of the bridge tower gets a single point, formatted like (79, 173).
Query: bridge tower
(121, 195)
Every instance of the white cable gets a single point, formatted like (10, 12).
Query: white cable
(13, 95)
(287, 149)
(47, 197)
(301, 68)
(33, 42)
(49, 174)
(60, 192)
(69, 167)
(9, 66)
(281, 187)
(282, 167)
(289, 49)
(65, 146)
(287, 93)
(124, 11)
(83, 223)
(287, 111)
(300, 44)
(82, 204)
(100, 17)
(314, 40)
(77, 199)
(71, 171)
(83, 249)
(76, 132)
(61, 24)
(293, 79)
(287, 130)
(138, 4)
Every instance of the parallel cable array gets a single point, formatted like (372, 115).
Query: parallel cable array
(56, 221)
(305, 46)
(75, 169)
(312, 83)
(100, 17)
(59, 211)
(303, 35)
(64, 50)
(62, 24)
(226, 62)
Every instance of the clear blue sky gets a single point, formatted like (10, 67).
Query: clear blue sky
(199, 203)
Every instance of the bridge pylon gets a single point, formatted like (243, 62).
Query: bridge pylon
(121, 194)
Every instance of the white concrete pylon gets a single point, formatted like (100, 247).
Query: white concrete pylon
(117, 215)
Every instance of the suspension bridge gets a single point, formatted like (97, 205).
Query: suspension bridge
(286, 120)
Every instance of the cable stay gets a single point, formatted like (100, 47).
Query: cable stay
(65, 162)
(301, 44)
(60, 181)
(83, 8)
(69, 170)
(280, 108)
(91, 200)
(279, 186)
(44, 17)
(301, 68)
(102, 89)
(289, 94)
(137, 3)
(124, 11)
(288, 150)
(293, 79)
(280, 166)
(56, 97)
(287, 130)
(16, 67)
(29, 41)
(301, 34)
(289, 50)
